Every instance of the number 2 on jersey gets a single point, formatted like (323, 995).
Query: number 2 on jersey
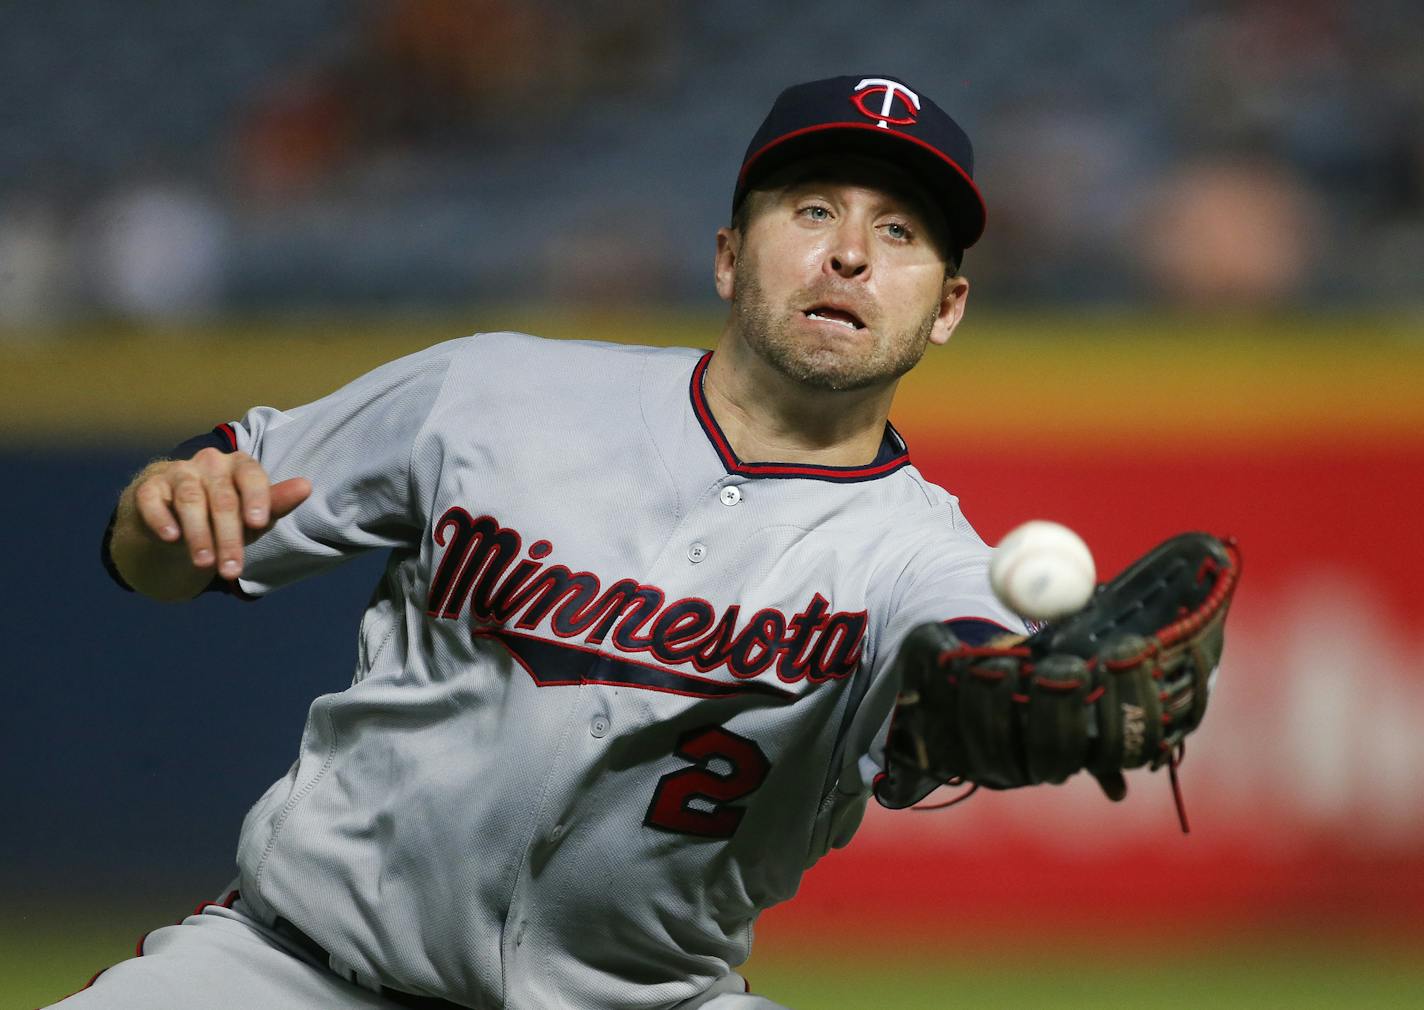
(696, 800)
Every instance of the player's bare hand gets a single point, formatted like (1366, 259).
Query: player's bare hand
(214, 504)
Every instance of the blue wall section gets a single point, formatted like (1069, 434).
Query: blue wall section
(134, 735)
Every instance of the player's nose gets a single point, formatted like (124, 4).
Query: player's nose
(848, 255)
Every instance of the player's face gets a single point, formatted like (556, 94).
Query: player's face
(837, 279)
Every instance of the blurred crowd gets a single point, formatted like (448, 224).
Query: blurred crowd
(178, 159)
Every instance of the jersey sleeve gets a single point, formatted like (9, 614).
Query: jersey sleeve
(954, 591)
(357, 447)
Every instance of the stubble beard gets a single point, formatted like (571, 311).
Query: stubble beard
(821, 366)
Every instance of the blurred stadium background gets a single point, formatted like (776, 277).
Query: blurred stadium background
(1199, 303)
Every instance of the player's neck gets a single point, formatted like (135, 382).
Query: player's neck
(768, 417)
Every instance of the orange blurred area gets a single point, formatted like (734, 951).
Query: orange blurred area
(1039, 386)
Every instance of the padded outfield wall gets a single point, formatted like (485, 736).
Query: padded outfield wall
(136, 734)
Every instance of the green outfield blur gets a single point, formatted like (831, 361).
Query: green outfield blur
(44, 957)
(1100, 979)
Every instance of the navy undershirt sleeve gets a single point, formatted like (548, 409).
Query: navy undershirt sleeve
(976, 630)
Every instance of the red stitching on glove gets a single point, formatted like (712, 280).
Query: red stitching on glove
(1057, 685)
(1223, 589)
(982, 652)
(1141, 656)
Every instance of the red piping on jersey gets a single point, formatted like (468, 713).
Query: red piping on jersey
(227, 432)
(228, 901)
(735, 465)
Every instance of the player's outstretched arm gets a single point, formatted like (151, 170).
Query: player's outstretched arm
(181, 521)
(1119, 684)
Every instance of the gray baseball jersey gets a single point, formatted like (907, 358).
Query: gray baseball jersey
(616, 690)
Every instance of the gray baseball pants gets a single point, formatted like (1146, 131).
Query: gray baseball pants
(220, 958)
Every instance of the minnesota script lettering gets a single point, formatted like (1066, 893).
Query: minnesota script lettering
(481, 567)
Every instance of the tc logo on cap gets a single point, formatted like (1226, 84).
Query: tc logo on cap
(891, 90)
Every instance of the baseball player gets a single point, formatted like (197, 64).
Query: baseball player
(631, 665)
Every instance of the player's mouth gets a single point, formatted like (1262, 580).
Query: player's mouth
(835, 314)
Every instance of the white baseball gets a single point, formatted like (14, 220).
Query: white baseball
(1042, 570)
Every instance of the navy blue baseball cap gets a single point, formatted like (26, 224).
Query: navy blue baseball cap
(880, 116)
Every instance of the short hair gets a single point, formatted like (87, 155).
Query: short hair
(740, 213)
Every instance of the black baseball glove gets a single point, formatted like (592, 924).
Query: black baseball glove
(1117, 685)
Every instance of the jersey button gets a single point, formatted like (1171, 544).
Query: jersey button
(731, 495)
(697, 552)
(599, 726)
(556, 833)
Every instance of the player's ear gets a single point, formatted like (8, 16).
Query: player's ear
(953, 295)
(729, 245)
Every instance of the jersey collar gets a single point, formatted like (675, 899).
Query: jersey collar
(893, 454)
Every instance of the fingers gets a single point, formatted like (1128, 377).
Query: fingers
(288, 495)
(253, 488)
(225, 514)
(214, 503)
(153, 499)
(190, 503)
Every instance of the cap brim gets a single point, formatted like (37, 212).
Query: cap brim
(944, 179)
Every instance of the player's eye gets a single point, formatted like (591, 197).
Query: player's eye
(899, 231)
(816, 212)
